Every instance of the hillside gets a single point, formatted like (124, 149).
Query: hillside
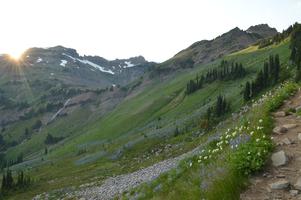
(94, 133)
(206, 51)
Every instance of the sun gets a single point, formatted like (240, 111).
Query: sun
(16, 54)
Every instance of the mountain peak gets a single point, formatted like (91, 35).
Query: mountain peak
(262, 29)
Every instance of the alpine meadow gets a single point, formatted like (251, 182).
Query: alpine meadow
(221, 119)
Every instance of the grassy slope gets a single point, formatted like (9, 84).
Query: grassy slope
(137, 114)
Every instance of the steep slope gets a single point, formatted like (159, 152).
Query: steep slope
(208, 50)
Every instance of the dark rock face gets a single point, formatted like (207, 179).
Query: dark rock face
(263, 30)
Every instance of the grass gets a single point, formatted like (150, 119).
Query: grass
(226, 174)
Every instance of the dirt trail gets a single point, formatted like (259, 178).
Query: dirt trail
(279, 180)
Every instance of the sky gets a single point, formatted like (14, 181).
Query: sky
(155, 29)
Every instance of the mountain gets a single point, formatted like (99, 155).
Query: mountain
(262, 30)
(208, 50)
(65, 65)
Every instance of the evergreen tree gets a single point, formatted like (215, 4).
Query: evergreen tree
(247, 92)
(276, 68)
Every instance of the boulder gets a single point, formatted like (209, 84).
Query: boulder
(298, 184)
(289, 126)
(279, 159)
(279, 130)
(280, 114)
(280, 185)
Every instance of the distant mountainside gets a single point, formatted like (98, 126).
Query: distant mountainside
(67, 66)
(208, 50)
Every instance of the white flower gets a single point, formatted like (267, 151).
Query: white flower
(190, 164)
(260, 121)
(257, 140)
(249, 153)
(252, 132)
(234, 133)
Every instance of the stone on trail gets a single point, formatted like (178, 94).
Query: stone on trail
(279, 185)
(294, 192)
(298, 184)
(298, 108)
(279, 159)
(290, 126)
(286, 141)
(280, 114)
(279, 130)
(299, 136)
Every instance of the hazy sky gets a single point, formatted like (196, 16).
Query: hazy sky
(156, 29)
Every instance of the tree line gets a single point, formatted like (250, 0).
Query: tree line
(225, 71)
(276, 39)
(220, 108)
(266, 77)
(10, 184)
(295, 47)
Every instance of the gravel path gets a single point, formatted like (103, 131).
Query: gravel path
(116, 185)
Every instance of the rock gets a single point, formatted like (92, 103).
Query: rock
(294, 192)
(286, 141)
(298, 184)
(279, 130)
(290, 126)
(280, 114)
(279, 185)
(299, 136)
(298, 108)
(280, 176)
(279, 159)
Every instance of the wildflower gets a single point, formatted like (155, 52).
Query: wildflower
(205, 158)
(260, 121)
(199, 161)
(234, 133)
(249, 153)
(257, 140)
(190, 164)
(252, 132)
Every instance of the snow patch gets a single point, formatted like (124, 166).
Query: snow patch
(128, 64)
(63, 63)
(39, 60)
(87, 62)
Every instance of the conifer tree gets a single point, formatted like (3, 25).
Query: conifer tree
(247, 91)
